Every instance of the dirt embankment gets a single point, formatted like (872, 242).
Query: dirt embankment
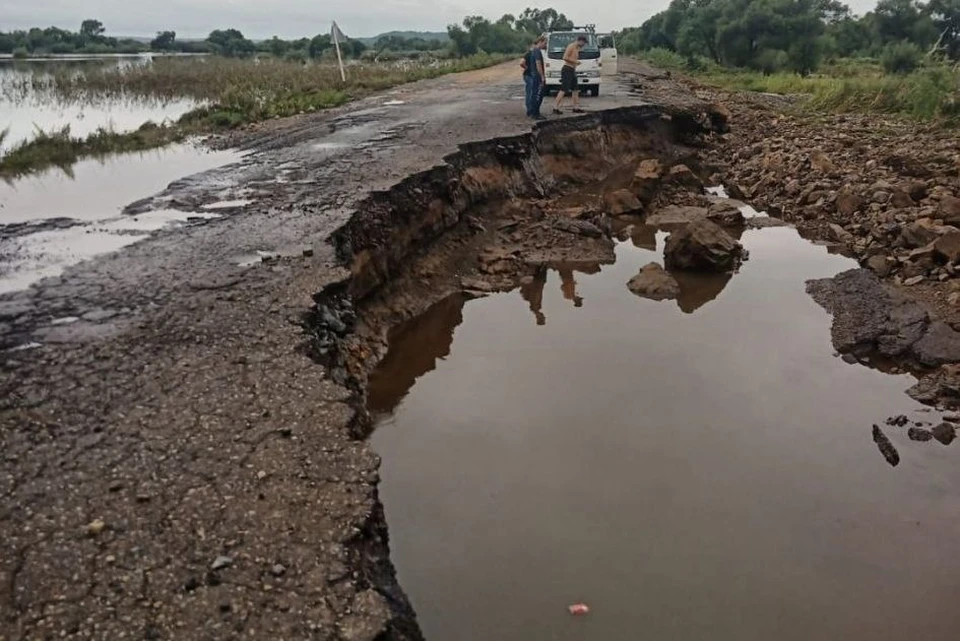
(497, 214)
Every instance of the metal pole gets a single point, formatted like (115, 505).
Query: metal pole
(336, 43)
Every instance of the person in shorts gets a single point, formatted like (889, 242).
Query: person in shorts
(569, 83)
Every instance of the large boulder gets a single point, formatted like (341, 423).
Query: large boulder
(950, 210)
(646, 180)
(702, 246)
(622, 202)
(655, 283)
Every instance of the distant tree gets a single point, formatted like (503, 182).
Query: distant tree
(91, 30)
(319, 44)
(230, 43)
(165, 41)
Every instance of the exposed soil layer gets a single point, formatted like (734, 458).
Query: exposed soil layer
(499, 213)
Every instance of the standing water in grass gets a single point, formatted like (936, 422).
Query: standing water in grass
(45, 95)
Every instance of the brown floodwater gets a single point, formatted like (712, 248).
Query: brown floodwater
(701, 469)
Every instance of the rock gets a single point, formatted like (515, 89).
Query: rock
(675, 216)
(949, 210)
(850, 359)
(880, 265)
(919, 434)
(702, 246)
(655, 283)
(278, 570)
(953, 298)
(725, 213)
(918, 190)
(96, 527)
(867, 315)
(947, 246)
(907, 166)
(579, 227)
(939, 344)
(898, 421)
(220, 563)
(819, 161)
(915, 280)
(840, 235)
(946, 433)
(919, 233)
(848, 204)
(646, 180)
(881, 197)
(901, 199)
(476, 285)
(622, 202)
(887, 449)
(683, 176)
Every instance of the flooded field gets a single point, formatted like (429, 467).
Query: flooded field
(27, 104)
(692, 469)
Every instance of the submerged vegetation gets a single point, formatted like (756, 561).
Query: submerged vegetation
(232, 93)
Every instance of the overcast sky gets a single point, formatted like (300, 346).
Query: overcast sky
(297, 18)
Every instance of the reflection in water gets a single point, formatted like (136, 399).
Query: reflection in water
(696, 290)
(414, 350)
(28, 102)
(690, 476)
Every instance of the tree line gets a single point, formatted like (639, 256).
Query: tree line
(509, 34)
(797, 35)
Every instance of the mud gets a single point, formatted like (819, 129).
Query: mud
(176, 461)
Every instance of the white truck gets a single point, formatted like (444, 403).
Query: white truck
(589, 71)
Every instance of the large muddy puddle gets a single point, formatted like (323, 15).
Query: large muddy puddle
(693, 469)
(56, 219)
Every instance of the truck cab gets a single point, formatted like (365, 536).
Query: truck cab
(589, 71)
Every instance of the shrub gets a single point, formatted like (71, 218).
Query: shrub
(664, 58)
(901, 57)
(20, 53)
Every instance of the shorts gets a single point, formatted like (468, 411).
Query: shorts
(568, 80)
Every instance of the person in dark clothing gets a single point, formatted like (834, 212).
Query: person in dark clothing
(534, 78)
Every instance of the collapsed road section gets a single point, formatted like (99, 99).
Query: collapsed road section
(182, 468)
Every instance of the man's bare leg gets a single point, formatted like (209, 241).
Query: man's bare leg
(559, 103)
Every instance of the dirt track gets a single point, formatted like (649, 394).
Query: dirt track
(175, 466)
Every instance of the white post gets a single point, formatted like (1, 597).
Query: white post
(336, 43)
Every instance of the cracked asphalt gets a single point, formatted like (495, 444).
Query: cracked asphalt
(173, 465)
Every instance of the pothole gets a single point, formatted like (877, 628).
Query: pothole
(551, 438)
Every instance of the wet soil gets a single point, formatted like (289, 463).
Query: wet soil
(182, 425)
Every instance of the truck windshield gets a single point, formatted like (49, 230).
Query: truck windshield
(558, 43)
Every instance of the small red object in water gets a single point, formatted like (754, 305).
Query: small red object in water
(579, 609)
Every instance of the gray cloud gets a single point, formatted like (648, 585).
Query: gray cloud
(296, 18)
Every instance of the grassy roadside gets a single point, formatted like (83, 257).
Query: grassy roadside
(929, 94)
(233, 92)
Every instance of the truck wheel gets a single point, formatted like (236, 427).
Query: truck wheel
(595, 91)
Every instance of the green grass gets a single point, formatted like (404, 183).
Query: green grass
(61, 149)
(233, 92)
(929, 94)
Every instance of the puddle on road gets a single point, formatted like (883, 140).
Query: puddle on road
(54, 220)
(96, 189)
(693, 469)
